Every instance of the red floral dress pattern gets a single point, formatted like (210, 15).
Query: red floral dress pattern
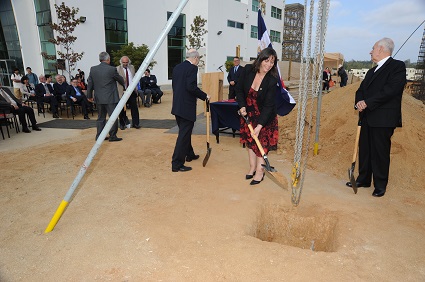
(269, 134)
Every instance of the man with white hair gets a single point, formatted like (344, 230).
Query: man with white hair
(127, 72)
(378, 100)
(185, 95)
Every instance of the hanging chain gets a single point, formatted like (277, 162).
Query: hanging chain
(300, 161)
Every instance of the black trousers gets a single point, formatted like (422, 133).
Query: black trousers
(156, 94)
(51, 100)
(183, 146)
(102, 110)
(21, 111)
(132, 102)
(232, 92)
(374, 155)
(83, 102)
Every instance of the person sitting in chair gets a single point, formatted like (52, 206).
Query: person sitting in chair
(76, 96)
(150, 81)
(9, 102)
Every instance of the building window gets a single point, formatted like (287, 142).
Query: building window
(238, 0)
(235, 24)
(115, 16)
(274, 36)
(254, 32)
(176, 43)
(255, 5)
(44, 19)
(276, 13)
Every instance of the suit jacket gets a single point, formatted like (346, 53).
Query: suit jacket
(267, 92)
(5, 105)
(382, 92)
(70, 92)
(102, 80)
(149, 82)
(121, 72)
(234, 76)
(40, 90)
(186, 91)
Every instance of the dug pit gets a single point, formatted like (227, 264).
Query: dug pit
(313, 229)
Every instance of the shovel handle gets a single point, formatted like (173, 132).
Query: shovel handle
(207, 107)
(251, 129)
(356, 144)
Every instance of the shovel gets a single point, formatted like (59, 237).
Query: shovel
(271, 172)
(353, 164)
(207, 156)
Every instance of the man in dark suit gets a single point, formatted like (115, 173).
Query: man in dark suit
(185, 94)
(75, 95)
(378, 100)
(103, 80)
(233, 77)
(8, 101)
(150, 83)
(45, 94)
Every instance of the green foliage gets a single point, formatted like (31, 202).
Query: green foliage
(229, 65)
(136, 54)
(67, 22)
(348, 65)
(197, 31)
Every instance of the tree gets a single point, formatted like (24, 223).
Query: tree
(195, 38)
(64, 29)
(137, 55)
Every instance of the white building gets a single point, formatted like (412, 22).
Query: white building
(410, 73)
(111, 23)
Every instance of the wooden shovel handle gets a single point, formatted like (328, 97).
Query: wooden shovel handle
(208, 119)
(356, 144)
(251, 129)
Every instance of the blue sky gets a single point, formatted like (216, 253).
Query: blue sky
(355, 25)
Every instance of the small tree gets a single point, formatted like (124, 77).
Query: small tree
(66, 26)
(195, 38)
(136, 54)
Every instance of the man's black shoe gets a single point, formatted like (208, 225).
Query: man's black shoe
(55, 116)
(122, 127)
(182, 169)
(378, 193)
(26, 130)
(113, 139)
(137, 126)
(191, 158)
(86, 117)
(36, 128)
(358, 184)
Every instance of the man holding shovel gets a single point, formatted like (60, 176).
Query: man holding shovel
(378, 100)
(185, 94)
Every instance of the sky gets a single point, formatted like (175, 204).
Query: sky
(355, 25)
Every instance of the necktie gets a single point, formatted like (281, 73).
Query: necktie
(236, 69)
(126, 78)
(47, 89)
(76, 91)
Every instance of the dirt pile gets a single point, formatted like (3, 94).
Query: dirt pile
(337, 134)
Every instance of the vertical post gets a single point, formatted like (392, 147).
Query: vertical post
(114, 116)
(238, 51)
(289, 69)
(319, 98)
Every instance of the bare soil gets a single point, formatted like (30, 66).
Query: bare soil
(132, 219)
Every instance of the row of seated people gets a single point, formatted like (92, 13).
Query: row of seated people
(149, 90)
(56, 93)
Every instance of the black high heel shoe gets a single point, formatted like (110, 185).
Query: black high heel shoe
(249, 176)
(255, 182)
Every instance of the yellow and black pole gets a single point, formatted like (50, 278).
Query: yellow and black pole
(65, 202)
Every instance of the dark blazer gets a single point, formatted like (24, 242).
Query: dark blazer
(150, 82)
(40, 91)
(382, 92)
(267, 92)
(5, 105)
(103, 80)
(186, 91)
(234, 76)
(70, 92)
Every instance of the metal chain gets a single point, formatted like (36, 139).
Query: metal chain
(300, 161)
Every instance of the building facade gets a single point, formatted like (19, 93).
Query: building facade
(25, 30)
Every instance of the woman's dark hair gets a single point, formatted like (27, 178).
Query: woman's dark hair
(264, 55)
(24, 78)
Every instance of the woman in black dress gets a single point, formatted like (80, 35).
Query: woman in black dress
(256, 96)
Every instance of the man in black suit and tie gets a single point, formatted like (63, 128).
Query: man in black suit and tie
(76, 95)
(378, 100)
(11, 104)
(45, 94)
(103, 80)
(233, 77)
(185, 95)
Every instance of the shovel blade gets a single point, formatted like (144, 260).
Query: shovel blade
(207, 156)
(351, 177)
(276, 176)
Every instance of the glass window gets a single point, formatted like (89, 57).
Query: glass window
(254, 31)
(176, 42)
(239, 25)
(275, 36)
(231, 23)
(235, 24)
(276, 13)
(255, 5)
(41, 5)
